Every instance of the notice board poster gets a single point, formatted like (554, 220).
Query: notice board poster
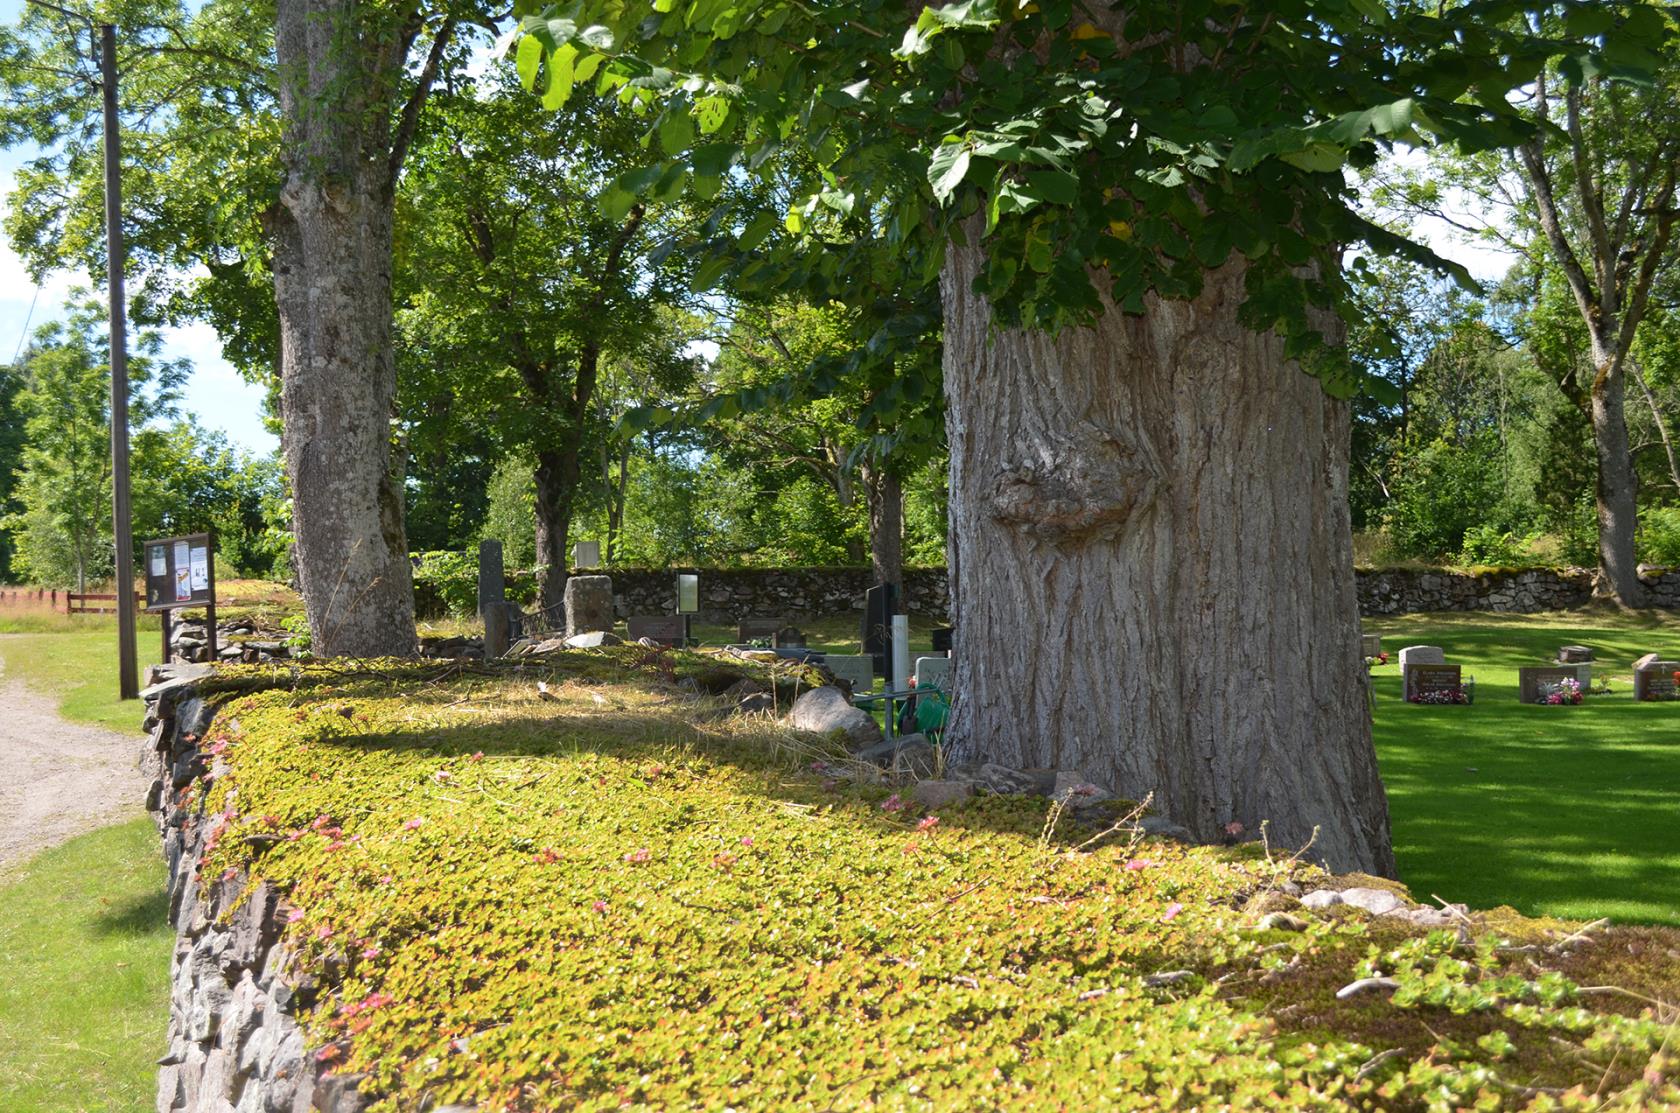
(180, 572)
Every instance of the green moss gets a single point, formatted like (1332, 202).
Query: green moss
(577, 897)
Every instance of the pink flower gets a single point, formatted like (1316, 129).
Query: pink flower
(1234, 828)
(893, 804)
(477, 757)
(443, 776)
(1137, 864)
(601, 907)
(928, 824)
(746, 840)
(640, 855)
(370, 951)
(294, 915)
(545, 857)
(413, 824)
(229, 874)
(324, 932)
(1172, 912)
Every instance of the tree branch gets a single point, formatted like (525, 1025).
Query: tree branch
(410, 118)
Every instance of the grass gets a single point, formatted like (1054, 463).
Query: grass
(78, 665)
(85, 946)
(1560, 811)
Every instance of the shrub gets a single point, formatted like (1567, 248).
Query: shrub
(1486, 546)
(1659, 536)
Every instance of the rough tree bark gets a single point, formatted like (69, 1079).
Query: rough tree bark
(886, 525)
(345, 132)
(1152, 568)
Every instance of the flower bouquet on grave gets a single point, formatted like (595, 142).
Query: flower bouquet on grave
(1562, 693)
(1442, 696)
(1379, 659)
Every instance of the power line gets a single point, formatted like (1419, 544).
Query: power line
(28, 320)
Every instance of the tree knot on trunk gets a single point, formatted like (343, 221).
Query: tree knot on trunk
(1083, 486)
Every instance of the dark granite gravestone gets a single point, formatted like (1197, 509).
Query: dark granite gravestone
(1533, 679)
(942, 639)
(880, 603)
(1435, 684)
(1655, 681)
(492, 581)
(666, 629)
(756, 629)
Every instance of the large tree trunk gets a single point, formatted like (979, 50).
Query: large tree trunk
(1618, 487)
(332, 284)
(886, 525)
(1152, 568)
(554, 523)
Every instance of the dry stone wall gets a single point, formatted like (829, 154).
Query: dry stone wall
(729, 595)
(235, 1045)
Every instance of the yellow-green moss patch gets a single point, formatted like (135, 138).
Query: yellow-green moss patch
(587, 894)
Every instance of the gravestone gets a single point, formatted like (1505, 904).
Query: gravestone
(497, 632)
(1414, 655)
(1533, 679)
(857, 671)
(1370, 645)
(589, 604)
(788, 637)
(1654, 680)
(667, 629)
(1435, 684)
(880, 603)
(756, 629)
(1575, 655)
(934, 672)
(942, 638)
(586, 554)
(492, 580)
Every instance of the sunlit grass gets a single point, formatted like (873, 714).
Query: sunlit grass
(85, 946)
(1563, 811)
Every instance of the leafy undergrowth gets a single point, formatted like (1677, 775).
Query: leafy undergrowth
(596, 895)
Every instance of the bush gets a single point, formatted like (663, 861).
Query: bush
(1440, 492)
(446, 583)
(1486, 546)
(1659, 536)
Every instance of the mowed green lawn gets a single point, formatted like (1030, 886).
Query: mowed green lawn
(1563, 811)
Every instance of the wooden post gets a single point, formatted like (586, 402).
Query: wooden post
(210, 614)
(166, 649)
(115, 262)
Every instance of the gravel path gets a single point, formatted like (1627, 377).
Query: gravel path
(62, 779)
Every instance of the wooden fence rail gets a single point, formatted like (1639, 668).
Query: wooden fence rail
(64, 602)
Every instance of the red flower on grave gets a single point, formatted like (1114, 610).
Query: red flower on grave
(928, 824)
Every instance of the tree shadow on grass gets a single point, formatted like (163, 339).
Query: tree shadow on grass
(136, 915)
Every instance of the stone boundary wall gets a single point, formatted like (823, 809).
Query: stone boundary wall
(729, 595)
(234, 1043)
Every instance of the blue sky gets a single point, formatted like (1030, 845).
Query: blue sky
(215, 394)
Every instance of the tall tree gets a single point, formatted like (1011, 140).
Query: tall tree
(350, 96)
(1145, 210)
(518, 287)
(1590, 196)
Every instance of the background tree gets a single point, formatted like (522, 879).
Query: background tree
(1163, 478)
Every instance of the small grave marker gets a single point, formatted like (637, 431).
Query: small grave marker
(757, 629)
(1655, 681)
(1370, 645)
(1575, 655)
(1436, 684)
(857, 671)
(1533, 681)
(943, 636)
(665, 629)
(586, 554)
(935, 672)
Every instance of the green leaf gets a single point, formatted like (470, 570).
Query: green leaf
(528, 60)
(947, 169)
(560, 77)
(676, 130)
(756, 230)
(709, 273)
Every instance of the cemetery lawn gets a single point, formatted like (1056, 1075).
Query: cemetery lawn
(1558, 811)
(598, 894)
(85, 943)
(78, 662)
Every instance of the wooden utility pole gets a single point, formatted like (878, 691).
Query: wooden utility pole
(116, 259)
